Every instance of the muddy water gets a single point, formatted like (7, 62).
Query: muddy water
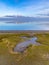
(22, 46)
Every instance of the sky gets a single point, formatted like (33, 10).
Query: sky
(24, 8)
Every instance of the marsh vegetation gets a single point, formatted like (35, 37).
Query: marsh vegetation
(33, 55)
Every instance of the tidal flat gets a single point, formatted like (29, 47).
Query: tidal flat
(32, 55)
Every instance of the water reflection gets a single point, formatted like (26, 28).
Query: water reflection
(25, 26)
(22, 46)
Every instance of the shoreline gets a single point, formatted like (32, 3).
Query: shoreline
(24, 31)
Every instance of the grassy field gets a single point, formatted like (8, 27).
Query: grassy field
(33, 55)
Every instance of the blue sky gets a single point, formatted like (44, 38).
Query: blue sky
(24, 7)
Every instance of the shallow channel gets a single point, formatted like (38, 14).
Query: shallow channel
(22, 46)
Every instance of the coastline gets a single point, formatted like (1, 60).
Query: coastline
(25, 31)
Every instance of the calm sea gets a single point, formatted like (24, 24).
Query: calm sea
(25, 26)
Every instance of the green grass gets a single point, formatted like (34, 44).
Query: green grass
(33, 55)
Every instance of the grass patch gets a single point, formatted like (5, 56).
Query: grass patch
(33, 55)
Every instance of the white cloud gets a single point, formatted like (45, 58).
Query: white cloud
(30, 10)
(5, 10)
